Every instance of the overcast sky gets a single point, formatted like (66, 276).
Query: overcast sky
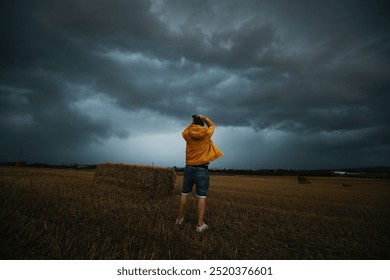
(298, 84)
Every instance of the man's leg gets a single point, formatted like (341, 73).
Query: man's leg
(201, 210)
(202, 187)
(182, 206)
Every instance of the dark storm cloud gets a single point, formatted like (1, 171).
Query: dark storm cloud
(75, 73)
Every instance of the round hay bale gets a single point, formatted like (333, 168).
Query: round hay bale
(303, 180)
(151, 181)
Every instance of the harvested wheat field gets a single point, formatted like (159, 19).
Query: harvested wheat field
(62, 214)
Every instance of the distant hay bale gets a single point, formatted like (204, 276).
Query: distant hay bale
(347, 185)
(147, 180)
(303, 180)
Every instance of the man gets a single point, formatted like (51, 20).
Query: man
(200, 151)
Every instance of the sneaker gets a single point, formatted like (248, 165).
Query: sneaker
(179, 221)
(202, 228)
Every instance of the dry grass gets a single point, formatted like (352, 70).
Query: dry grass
(59, 214)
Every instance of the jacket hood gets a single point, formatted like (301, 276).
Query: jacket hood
(197, 132)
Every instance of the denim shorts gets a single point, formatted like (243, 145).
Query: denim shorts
(197, 176)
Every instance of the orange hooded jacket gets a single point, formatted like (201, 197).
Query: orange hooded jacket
(200, 148)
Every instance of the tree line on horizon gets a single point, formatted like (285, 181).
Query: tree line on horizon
(380, 172)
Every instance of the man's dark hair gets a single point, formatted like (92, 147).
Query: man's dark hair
(198, 120)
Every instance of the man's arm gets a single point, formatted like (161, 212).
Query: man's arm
(206, 120)
(209, 123)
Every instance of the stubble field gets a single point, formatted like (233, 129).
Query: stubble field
(59, 214)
